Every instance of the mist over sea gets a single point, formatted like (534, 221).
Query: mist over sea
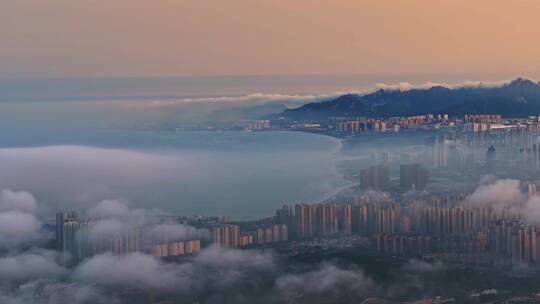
(75, 142)
(245, 175)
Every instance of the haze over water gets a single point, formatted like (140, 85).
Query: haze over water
(239, 174)
(76, 142)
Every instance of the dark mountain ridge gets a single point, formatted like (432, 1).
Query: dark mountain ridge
(518, 98)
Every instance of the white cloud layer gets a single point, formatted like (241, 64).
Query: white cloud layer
(19, 224)
(500, 193)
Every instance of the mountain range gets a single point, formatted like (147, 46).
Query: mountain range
(518, 98)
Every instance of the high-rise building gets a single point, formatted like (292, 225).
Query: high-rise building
(246, 239)
(192, 246)
(456, 157)
(226, 236)
(326, 219)
(531, 190)
(73, 237)
(345, 219)
(441, 151)
(304, 215)
(534, 156)
(161, 250)
(413, 176)
(176, 248)
(360, 219)
(271, 234)
(490, 157)
(375, 177)
(300, 220)
(285, 216)
(67, 225)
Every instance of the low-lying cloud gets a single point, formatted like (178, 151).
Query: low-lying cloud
(30, 266)
(246, 100)
(174, 173)
(500, 193)
(19, 224)
(136, 271)
(327, 284)
(422, 267)
(29, 274)
(429, 84)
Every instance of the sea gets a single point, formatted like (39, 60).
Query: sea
(243, 175)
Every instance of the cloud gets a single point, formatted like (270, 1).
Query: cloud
(215, 275)
(17, 228)
(487, 179)
(120, 211)
(212, 110)
(75, 177)
(214, 269)
(17, 200)
(171, 113)
(112, 218)
(123, 209)
(403, 86)
(531, 211)
(30, 266)
(18, 222)
(175, 232)
(219, 258)
(414, 278)
(173, 173)
(106, 228)
(501, 193)
(246, 100)
(110, 209)
(327, 284)
(137, 271)
(422, 267)
(395, 86)
(298, 100)
(55, 292)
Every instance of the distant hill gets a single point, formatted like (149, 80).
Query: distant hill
(518, 98)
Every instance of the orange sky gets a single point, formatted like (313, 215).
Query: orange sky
(64, 38)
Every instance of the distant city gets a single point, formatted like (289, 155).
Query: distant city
(269, 152)
(403, 219)
(458, 193)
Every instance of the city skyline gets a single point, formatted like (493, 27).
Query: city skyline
(298, 152)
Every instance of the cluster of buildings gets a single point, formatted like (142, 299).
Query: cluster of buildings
(454, 226)
(375, 177)
(176, 248)
(438, 225)
(392, 124)
(255, 125)
(467, 152)
(446, 224)
(230, 235)
(73, 236)
(482, 118)
(76, 236)
(515, 240)
(411, 177)
(227, 236)
(477, 123)
(518, 146)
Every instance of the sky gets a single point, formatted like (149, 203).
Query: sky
(162, 38)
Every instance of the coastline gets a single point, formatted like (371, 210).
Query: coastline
(351, 183)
